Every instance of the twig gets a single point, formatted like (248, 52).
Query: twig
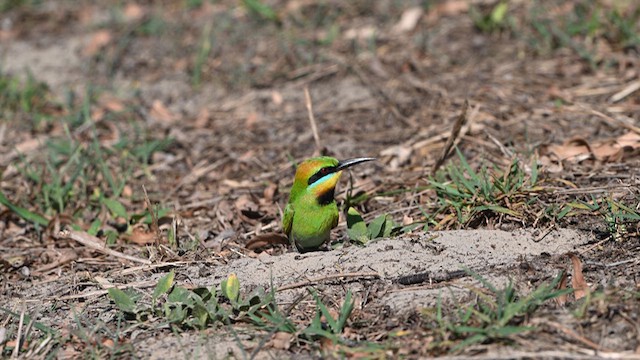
(571, 333)
(95, 244)
(154, 217)
(460, 121)
(618, 263)
(312, 119)
(66, 256)
(328, 277)
(137, 269)
(16, 350)
(506, 152)
(136, 285)
(431, 277)
(611, 121)
(628, 90)
(545, 232)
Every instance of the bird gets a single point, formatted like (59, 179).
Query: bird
(311, 211)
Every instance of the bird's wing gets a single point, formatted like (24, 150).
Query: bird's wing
(287, 219)
(335, 220)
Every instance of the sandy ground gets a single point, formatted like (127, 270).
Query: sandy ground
(492, 254)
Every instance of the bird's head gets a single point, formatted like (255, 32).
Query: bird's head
(318, 176)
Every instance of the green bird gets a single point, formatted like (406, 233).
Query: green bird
(312, 212)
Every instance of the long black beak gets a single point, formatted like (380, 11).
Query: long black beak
(351, 162)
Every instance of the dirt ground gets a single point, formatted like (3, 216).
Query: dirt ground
(217, 92)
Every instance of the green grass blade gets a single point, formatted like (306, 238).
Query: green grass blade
(164, 284)
(22, 212)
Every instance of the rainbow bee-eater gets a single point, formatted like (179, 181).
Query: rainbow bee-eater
(312, 212)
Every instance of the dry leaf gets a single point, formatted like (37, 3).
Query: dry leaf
(281, 340)
(580, 286)
(133, 12)
(631, 139)
(161, 113)
(127, 192)
(251, 120)
(579, 149)
(276, 97)
(202, 119)
(575, 149)
(141, 236)
(448, 8)
(98, 41)
(608, 152)
(108, 343)
(562, 299)
(363, 33)
(408, 20)
(269, 192)
(111, 103)
(400, 155)
(266, 239)
(97, 114)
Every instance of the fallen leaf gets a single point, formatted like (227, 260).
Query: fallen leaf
(161, 113)
(202, 119)
(111, 103)
(252, 119)
(108, 343)
(400, 155)
(448, 8)
(408, 20)
(141, 237)
(575, 149)
(631, 139)
(269, 192)
(98, 41)
(281, 340)
(608, 152)
(127, 191)
(363, 33)
(266, 239)
(133, 12)
(276, 97)
(562, 299)
(580, 286)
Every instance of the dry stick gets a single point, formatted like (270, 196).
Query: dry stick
(571, 333)
(628, 90)
(611, 121)
(16, 350)
(154, 218)
(328, 277)
(431, 277)
(135, 285)
(137, 269)
(95, 243)
(312, 119)
(462, 119)
(66, 257)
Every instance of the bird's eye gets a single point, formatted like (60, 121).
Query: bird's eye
(320, 174)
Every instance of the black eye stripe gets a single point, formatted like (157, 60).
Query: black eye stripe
(320, 173)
